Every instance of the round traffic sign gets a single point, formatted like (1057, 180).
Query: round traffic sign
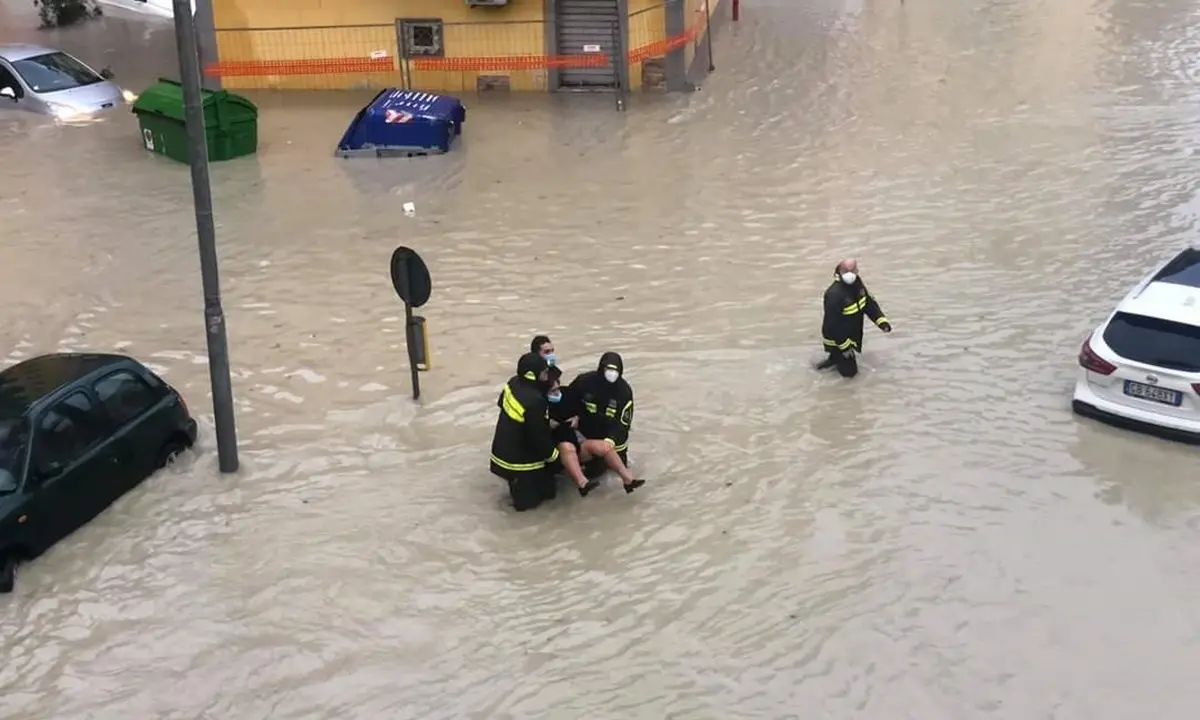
(410, 277)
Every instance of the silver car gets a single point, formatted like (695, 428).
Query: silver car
(51, 82)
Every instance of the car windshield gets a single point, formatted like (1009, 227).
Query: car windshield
(53, 72)
(1152, 341)
(13, 434)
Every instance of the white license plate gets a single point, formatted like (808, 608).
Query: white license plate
(1156, 394)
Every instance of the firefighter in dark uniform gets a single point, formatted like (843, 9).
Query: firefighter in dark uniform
(605, 401)
(846, 301)
(523, 449)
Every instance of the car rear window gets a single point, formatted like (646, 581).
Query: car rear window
(1155, 342)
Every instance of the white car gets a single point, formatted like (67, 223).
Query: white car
(50, 82)
(1141, 368)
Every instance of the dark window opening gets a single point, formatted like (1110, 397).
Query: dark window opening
(1162, 343)
(68, 430)
(14, 434)
(8, 80)
(125, 396)
(421, 38)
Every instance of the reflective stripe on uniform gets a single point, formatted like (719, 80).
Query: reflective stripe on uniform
(845, 345)
(521, 467)
(512, 406)
(620, 448)
(590, 407)
(855, 307)
(553, 456)
(610, 412)
(627, 414)
(882, 319)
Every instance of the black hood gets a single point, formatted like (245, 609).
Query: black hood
(611, 359)
(530, 366)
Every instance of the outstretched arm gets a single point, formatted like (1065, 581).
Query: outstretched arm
(875, 312)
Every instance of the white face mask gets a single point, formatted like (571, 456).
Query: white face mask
(849, 277)
(611, 375)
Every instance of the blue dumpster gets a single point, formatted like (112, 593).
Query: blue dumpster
(403, 123)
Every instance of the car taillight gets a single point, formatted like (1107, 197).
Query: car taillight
(183, 404)
(1089, 360)
(1196, 387)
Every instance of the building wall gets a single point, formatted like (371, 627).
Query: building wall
(647, 27)
(695, 22)
(347, 44)
(339, 38)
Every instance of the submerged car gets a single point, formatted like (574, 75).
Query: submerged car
(50, 82)
(77, 431)
(1141, 368)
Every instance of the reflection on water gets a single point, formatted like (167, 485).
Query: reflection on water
(940, 538)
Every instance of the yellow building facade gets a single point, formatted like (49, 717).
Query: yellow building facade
(447, 45)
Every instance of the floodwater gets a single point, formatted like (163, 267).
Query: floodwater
(939, 538)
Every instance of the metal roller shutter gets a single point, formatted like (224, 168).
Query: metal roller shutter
(583, 25)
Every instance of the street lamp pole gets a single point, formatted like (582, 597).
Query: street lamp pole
(214, 315)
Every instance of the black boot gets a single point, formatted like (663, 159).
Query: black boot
(592, 484)
(634, 485)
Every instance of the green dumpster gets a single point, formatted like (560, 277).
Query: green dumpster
(230, 122)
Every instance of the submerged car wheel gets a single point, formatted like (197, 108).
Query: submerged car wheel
(170, 453)
(8, 572)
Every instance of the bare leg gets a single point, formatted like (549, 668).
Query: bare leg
(601, 448)
(570, 462)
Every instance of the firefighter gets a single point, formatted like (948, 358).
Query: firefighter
(523, 449)
(605, 401)
(543, 346)
(846, 301)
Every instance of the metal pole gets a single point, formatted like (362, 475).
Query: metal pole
(405, 62)
(410, 342)
(617, 57)
(214, 316)
(707, 31)
(736, 8)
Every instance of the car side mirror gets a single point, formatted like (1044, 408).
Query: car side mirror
(107, 74)
(8, 93)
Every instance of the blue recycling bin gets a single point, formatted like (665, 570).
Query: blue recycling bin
(403, 123)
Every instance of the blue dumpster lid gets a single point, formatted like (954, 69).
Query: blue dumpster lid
(402, 106)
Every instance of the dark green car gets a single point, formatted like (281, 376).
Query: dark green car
(77, 431)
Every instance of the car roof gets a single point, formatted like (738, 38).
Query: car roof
(24, 384)
(14, 52)
(1166, 301)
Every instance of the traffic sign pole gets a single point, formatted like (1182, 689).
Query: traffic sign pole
(410, 340)
(411, 281)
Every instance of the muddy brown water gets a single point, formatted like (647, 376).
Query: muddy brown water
(940, 538)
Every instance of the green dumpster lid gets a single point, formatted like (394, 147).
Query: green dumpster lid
(165, 98)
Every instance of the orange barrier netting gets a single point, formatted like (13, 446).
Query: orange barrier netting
(350, 65)
(329, 66)
(511, 62)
